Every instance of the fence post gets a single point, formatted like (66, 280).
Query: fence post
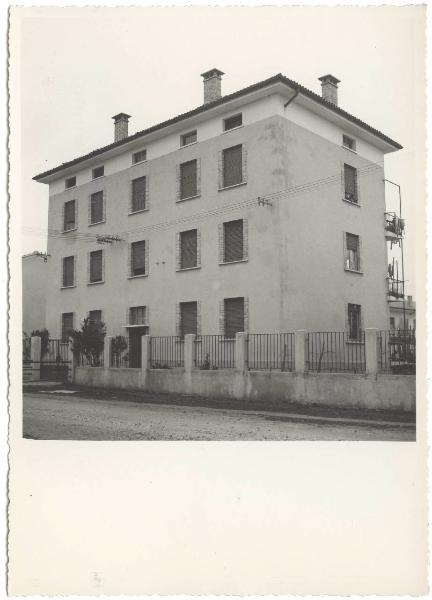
(73, 361)
(107, 352)
(145, 353)
(35, 357)
(300, 351)
(189, 355)
(371, 350)
(241, 351)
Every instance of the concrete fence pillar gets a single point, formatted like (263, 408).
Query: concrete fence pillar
(107, 352)
(301, 351)
(73, 361)
(35, 357)
(241, 351)
(145, 352)
(189, 352)
(371, 350)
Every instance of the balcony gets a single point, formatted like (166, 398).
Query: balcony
(394, 227)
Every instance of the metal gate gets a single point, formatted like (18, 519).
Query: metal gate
(56, 363)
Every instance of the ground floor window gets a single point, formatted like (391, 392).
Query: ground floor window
(234, 316)
(354, 322)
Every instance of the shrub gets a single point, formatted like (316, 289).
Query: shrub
(89, 341)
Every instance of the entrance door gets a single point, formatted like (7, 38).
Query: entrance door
(135, 335)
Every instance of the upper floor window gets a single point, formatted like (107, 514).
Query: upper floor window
(68, 275)
(354, 322)
(70, 182)
(98, 172)
(188, 249)
(188, 318)
(188, 138)
(350, 184)
(233, 242)
(97, 208)
(96, 266)
(188, 179)
(352, 252)
(233, 122)
(234, 318)
(95, 316)
(67, 325)
(232, 166)
(138, 258)
(139, 156)
(139, 192)
(348, 142)
(69, 215)
(137, 315)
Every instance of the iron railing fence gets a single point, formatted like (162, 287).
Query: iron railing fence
(214, 352)
(397, 351)
(120, 353)
(335, 352)
(270, 351)
(91, 359)
(166, 352)
(57, 351)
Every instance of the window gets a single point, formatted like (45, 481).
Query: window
(138, 157)
(233, 241)
(348, 142)
(68, 279)
(137, 315)
(233, 122)
(70, 182)
(232, 159)
(354, 322)
(234, 316)
(67, 322)
(352, 252)
(97, 208)
(188, 318)
(392, 323)
(96, 266)
(98, 172)
(95, 316)
(188, 249)
(69, 216)
(188, 179)
(139, 187)
(350, 183)
(138, 258)
(188, 138)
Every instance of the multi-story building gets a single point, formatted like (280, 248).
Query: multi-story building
(262, 210)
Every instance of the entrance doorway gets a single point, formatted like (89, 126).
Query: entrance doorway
(135, 335)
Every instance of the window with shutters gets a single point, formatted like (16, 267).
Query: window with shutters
(67, 323)
(96, 266)
(349, 143)
(138, 157)
(138, 194)
(188, 318)
(232, 167)
(188, 138)
(68, 271)
(138, 258)
(97, 208)
(95, 316)
(70, 182)
(233, 122)
(137, 315)
(392, 323)
(234, 316)
(352, 252)
(233, 241)
(188, 179)
(69, 216)
(350, 184)
(189, 249)
(98, 172)
(354, 322)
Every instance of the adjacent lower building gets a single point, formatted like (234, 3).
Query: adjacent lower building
(262, 211)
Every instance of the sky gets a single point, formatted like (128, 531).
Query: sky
(80, 66)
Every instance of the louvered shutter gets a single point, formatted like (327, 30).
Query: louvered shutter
(69, 215)
(139, 189)
(138, 258)
(352, 250)
(350, 178)
(232, 166)
(67, 325)
(234, 316)
(68, 271)
(354, 321)
(96, 207)
(188, 179)
(188, 249)
(95, 316)
(188, 318)
(233, 241)
(95, 266)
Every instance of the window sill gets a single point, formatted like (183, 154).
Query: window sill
(188, 198)
(95, 282)
(140, 162)
(230, 187)
(100, 177)
(188, 269)
(72, 187)
(137, 212)
(349, 149)
(187, 145)
(353, 271)
(136, 325)
(69, 230)
(232, 129)
(233, 262)
(67, 287)
(351, 202)
(137, 276)
(97, 223)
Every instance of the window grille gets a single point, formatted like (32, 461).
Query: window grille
(233, 241)
(138, 194)
(352, 257)
(138, 258)
(96, 269)
(69, 216)
(188, 249)
(98, 172)
(234, 316)
(67, 325)
(138, 157)
(188, 179)
(188, 138)
(95, 316)
(68, 271)
(137, 315)
(232, 122)
(348, 142)
(232, 166)
(354, 322)
(97, 207)
(70, 182)
(188, 318)
(350, 182)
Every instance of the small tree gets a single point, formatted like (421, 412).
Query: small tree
(118, 346)
(89, 341)
(44, 336)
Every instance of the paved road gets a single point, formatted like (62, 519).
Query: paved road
(59, 416)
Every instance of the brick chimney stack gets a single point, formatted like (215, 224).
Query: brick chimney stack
(121, 126)
(212, 85)
(329, 85)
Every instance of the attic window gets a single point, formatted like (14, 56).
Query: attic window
(349, 143)
(70, 182)
(233, 122)
(138, 157)
(98, 172)
(188, 138)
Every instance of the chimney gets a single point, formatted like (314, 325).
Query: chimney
(120, 126)
(329, 88)
(212, 85)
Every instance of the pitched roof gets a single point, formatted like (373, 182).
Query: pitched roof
(279, 78)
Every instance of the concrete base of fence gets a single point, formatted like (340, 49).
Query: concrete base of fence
(387, 392)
